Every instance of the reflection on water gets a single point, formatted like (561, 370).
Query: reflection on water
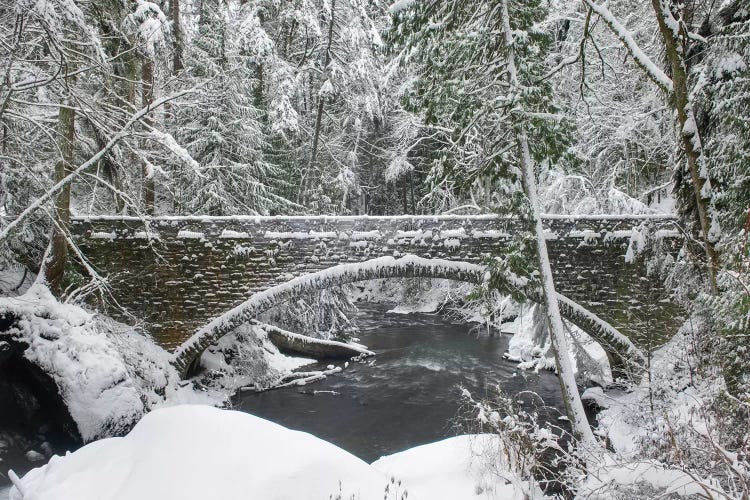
(408, 394)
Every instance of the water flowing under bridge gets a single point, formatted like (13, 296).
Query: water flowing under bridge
(178, 273)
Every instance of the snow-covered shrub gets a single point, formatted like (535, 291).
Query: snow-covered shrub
(528, 450)
(680, 418)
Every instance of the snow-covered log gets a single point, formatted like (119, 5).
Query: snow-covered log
(310, 346)
(408, 266)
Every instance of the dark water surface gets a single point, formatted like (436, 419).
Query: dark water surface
(408, 393)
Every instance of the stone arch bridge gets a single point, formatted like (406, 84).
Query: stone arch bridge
(175, 274)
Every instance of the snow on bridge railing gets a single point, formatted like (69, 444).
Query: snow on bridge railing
(343, 218)
(398, 227)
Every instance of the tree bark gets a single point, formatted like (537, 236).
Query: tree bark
(319, 114)
(147, 97)
(571, 396)
(55, 266)
(177, 36)
(690, 136)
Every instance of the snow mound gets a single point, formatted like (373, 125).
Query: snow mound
(457, 468)
(195, 452)
(530, 346)
(79, 351)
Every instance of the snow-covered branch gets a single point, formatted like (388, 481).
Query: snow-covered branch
(641, 58)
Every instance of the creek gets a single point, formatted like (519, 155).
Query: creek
(409, 393)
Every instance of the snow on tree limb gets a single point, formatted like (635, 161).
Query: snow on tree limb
(387, 267)
(640, 57)
(91, 161)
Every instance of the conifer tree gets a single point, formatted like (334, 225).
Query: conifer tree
(480, 64)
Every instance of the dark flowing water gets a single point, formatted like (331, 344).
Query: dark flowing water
(408, 394)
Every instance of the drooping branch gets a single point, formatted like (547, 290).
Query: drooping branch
(124, 131)
(641, 59)
(408, 266)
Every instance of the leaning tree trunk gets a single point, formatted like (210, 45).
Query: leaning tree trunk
(54, 267)
(147, 96)
(689, 134)
(571, 396)
(674, 35)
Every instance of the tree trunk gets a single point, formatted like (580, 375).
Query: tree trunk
(571, 396)
(55, 266)
(403, 196)
(147, 82)
(177, 36)
(319, 115)
(689, 135)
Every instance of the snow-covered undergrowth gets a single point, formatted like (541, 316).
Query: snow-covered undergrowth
(324, 314)
(205, 453)
(531, 347)
(246, 358)
(673, 432)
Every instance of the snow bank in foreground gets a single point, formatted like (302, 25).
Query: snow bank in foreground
(462, 467)
(200, 452)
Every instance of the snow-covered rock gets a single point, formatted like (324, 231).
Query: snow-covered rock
(99, 388)
(194, 452)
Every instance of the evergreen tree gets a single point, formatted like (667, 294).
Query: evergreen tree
(220, 126)
(723, 88)
(480, 64)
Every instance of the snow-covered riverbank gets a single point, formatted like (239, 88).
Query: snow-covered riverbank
(205, 453)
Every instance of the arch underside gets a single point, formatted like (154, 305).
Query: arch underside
(620, 349)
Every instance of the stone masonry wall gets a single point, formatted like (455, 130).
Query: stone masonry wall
(173, 274)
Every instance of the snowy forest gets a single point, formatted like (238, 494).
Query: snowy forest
(225, 226)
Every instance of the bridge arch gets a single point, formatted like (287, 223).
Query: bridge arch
(620, 350)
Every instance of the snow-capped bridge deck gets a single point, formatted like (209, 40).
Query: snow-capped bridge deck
(177, 273)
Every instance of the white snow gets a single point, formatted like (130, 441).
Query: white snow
(204, 453)
(400, 5)
(229, 234)
(68, 343)
(102, 235)
(366, 235)
(286, 235)
(457, 468)
(191, 235)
